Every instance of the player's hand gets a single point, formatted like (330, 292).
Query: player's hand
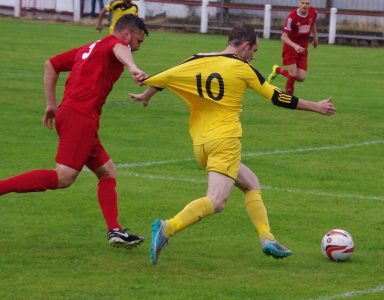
(139, 98)
(299, 49)
(138, 76)
(49, 116)
(326, 107)
(315, 42)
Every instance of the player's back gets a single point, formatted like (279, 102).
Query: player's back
(213, 87)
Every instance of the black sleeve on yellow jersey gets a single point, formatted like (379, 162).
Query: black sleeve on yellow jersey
(157, 88)
(282, 99)
(279, 98)
(258, 74)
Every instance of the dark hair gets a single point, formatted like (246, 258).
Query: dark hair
(132, 22)
(242, 32)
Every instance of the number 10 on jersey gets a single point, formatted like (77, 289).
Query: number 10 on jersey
(208, 86)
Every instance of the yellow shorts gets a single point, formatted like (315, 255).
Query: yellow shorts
(220, 155)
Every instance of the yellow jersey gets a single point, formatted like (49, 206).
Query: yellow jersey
(119, 8)
(213, 86)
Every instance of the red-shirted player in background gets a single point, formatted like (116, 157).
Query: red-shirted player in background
(94, 68)
(297, 29)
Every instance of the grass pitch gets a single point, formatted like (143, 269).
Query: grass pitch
(317, 172)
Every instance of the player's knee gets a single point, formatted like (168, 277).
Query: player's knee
(107, 170)
(111, 172)
(300, 78)
(65, 180)
(219, 204)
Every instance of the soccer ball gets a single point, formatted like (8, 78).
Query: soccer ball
(337, 245)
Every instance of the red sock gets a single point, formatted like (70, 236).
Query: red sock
(290, 86)
(282, 71)
(33, 181)
(108, 201)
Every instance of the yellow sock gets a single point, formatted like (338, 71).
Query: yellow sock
(192, 213)
(258, 214)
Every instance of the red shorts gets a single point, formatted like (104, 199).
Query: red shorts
(291, 57)
(79, 142)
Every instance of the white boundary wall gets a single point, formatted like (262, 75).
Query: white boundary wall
(149, 9)
(169, 10)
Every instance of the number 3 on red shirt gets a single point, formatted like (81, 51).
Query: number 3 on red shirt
(86, 54)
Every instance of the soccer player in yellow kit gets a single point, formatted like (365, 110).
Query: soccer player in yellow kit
(213, 86)
(118, 8)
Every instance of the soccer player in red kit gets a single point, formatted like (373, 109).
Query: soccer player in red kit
(297, 29)
(94, 68)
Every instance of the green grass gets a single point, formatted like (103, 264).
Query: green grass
(53, 244)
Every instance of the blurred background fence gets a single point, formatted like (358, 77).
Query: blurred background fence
(357, 21)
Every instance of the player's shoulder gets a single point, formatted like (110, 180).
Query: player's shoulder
(219, 58)
(293, 14)
(110, 41)
(313, 11)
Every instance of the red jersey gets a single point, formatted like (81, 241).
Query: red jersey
(298, 27)
(94, 70)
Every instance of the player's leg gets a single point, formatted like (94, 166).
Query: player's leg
(221, 159)
(66, 175)
(101, 4)
(277, 70)
(106, 193)
(290, 57)
(301, 75)
(93, 8)
(219, 187)
(290, 84)
(76, 139)
(302, 65)
(248, 182)
(105, 170)
(32, 181)
(79, 145)
(66, 169)
(40, 180)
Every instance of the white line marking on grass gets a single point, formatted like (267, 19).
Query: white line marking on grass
(324, 194)
(266, 153)
(375, 290)
(311, 149)
(151, 163)
(166, 178)
(287, 190)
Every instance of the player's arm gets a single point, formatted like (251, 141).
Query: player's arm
(136, 12)
(280, 98)
(99, 25)
(145, 96)
(50, 80)
(62, 62)
(124, 55)
(155, 83)
(315, 41)
(289, 42)
(323, 107)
